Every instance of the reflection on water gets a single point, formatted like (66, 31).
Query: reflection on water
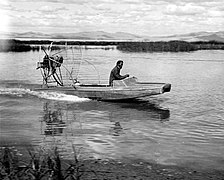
(53, 119)
(56, 119)
(155, 111)
(101, 129)
(116, 130)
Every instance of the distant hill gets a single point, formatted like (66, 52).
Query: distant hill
(119, 36)
(98, 35)
(199, 36)
(94, 35)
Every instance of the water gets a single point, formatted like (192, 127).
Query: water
(183, 127)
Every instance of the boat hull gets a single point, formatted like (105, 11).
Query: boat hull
(109, 93)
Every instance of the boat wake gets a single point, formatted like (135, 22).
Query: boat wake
(22, 92)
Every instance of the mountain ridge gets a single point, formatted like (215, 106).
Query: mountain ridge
(101, 35)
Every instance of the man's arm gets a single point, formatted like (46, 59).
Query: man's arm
(118, 76)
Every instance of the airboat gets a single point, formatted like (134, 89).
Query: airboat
(52, 66)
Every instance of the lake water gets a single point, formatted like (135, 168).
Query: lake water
(183, 127)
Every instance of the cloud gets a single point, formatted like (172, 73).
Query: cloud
(139, 16)
(187, 9)
(50, 9)
(215, 13)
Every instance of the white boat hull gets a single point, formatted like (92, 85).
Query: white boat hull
(121, 90)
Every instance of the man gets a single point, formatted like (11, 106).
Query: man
(115, 73)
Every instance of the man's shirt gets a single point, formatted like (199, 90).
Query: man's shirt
(115, 75)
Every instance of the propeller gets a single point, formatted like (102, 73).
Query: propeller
(51, 66)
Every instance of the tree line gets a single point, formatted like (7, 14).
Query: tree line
(170, 46)
(126, 46)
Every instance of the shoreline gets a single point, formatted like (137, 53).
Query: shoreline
(15, 45)
(35, 163)
(140, 169)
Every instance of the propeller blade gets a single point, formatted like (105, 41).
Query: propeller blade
(61, 51)
(49, 51)
(39, 52)
(45, 51)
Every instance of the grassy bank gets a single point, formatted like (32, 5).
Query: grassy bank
(13, 45)
(160, 46)
(41, 164)
(170, 46)
(49, 165)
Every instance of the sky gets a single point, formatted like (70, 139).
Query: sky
(140, 17)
